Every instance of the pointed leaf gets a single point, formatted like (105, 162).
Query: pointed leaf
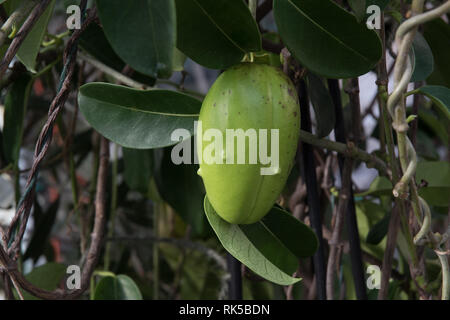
(138, 168)
(181, 187)
(43, 222)
(261, 246)
(423, 62)
(216, 34)
(379, 230)
(94, 42)
(46, 277)
(437, 176)
(29, 49)
(323, 105)
(142, 33)
(15, 108)
(140, 119)
(119, 287)
(437, 34)
(440, 96)
(359, 8)
(327, 39)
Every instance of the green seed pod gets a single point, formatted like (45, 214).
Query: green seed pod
(248, 105)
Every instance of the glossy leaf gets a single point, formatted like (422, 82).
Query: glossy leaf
(294, 234)
(181, 187)
(94, 42)
(216, 34)
(43, 223)
(15, 108)
(359, 8)
(440, 96)
(433, 123)
(437, 176)
(136, 118)
(138, 168)
(265, 247)
(142, 33)
(368, 215)
(437, 34)
(120, 287)
(381, 3)
(323, 105)
(423, 62)
(46, 277)
(327, 39)
(29, 48)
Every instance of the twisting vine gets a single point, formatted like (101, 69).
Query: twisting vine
(396, 106)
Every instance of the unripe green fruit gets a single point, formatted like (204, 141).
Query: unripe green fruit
(248, 96)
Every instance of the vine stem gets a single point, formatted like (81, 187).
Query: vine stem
(348, 150)
(396, 106)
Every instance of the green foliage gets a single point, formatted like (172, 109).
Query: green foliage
(150, 49)
(323, 105)
(138, 168)
(117, 287)
(264, 246)
(423, 62)
(112, 110)
(216, 34)
(436, 175)
(326, 39)
(181, 187)
(15, 109)
(47, 277)
(30, 47)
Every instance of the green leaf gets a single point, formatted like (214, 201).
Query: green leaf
(46, 277)
(437, 34)
(94, 42)
(381, 3)
(437, 176)
(181, 187)
(139, 119)
(440, 96)
(216, 34)
(29, 49)
(120, 287)
(379, 186)
(327, 39)
(138, 168)
(368, 215)
(43, 223)
(323, 105)
(263, 246)
(142, 33)
(359, 8)
(428, 120)
(294, 234)
(379, 230)
(179, 59)
(15, 108)
(423, 62)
